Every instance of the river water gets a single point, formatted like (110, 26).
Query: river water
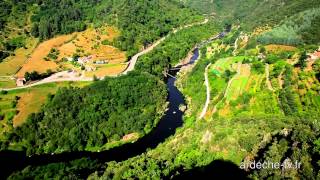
(11, 161)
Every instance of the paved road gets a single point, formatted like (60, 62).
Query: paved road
(59, 77)
(205, 108)
(63, 76)
(135, 58)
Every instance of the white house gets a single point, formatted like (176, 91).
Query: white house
(20, 82)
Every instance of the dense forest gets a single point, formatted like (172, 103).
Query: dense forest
(299, 28)
(78, 119)
(175, 48)
(252, 13)
(141, 22)
(292, 22)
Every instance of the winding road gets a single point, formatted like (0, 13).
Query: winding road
(135, 58)
(205, 108)
(131, 65)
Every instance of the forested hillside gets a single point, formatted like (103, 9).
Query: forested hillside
(300, 28)
(175, 49)
(141, 22)
(291, 22)
(87, 119)
(253, 13)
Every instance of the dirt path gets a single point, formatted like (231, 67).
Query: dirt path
(205, 108)
(235, 46)
(280, 80)
(269, 85)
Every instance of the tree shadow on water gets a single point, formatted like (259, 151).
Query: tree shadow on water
(218, 169)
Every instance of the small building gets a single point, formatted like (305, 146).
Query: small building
(70, 59)
(261, 56)
(84, 60)
(20, 82)
(101, 62)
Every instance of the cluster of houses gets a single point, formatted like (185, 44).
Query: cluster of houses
(87, 59)
(83, 61)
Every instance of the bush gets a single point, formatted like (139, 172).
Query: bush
(15, 43)
(2, 92)
(271, 59)
(258, 66)
(3, 55)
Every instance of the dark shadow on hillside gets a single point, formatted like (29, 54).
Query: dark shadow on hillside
(10, 160)
(218, 169)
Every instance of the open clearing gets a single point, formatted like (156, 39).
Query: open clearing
(108, 69)
(31, 99)
(7, 82)
(12, 64)
(14, 28)
(275, 48)
(86, 43)
(36, 61)
(239, 83)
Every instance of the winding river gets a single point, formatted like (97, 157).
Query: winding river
(13, 161)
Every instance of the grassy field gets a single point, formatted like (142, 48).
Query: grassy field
(12, 64)
(16, 26)
(7, 82)
(36, 61)
(107, 69)
(239, 83)
(274, 48)
(89, 42)
(29, 100)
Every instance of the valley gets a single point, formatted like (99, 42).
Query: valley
(159, 89)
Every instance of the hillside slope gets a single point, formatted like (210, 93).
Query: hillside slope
(253, 13)
(141, 22)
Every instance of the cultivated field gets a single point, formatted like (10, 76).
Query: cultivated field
(239, 83)
(275, 48)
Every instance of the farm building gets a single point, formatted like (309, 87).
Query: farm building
(84, 60)
(101, 62)
(20, 82)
